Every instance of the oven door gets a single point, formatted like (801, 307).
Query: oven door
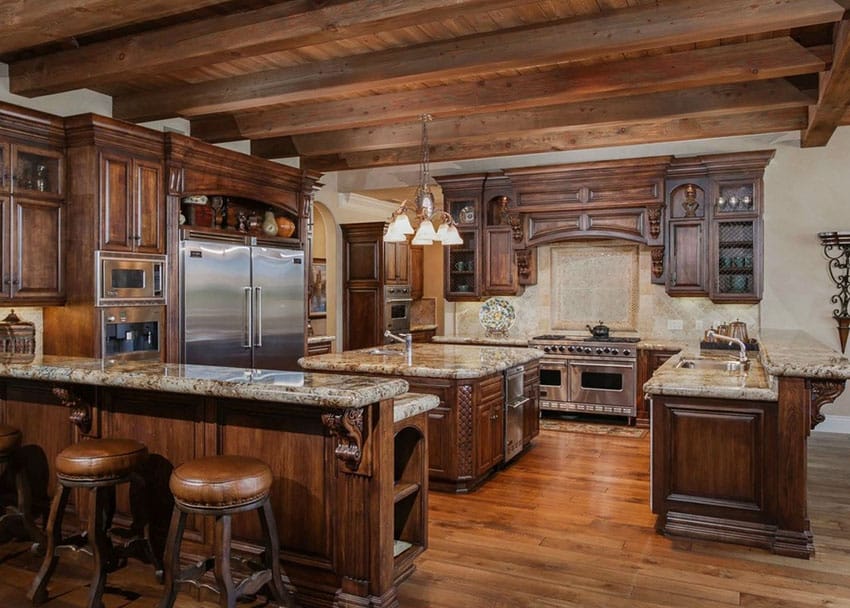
(603, 383)
(397, 315)
(554, 384)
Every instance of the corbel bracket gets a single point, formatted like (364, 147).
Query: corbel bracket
(821, 393)
(657, 261)
(347, 427)
(80, 415)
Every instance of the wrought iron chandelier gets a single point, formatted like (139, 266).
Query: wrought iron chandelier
(423, 209)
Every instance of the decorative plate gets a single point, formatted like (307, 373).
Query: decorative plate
(497, 314)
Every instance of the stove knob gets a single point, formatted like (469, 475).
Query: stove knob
(561, 348)
(546, 349)
(571, 348)
(606, 350)
(614, 351)
(598, 351)
(588, 350)
(627, 352)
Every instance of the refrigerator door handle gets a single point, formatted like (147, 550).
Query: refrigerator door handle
(249, 317)
(258, 301)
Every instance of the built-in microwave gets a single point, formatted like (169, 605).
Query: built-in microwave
(127, 279)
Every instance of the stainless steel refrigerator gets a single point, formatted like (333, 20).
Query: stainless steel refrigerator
(242, 306)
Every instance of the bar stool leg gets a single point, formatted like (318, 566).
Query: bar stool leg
(271, 556)
(99, 517)
(223, 573)
(24, 492)
(171, 561)
(38, 591)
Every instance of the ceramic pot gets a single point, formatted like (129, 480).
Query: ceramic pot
(285, 226)
(269, 224)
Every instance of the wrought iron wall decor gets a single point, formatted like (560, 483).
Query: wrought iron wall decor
(836, 247)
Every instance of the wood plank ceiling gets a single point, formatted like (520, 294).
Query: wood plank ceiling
(342, 83)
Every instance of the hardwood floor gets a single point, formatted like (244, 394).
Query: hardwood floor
(567, 525)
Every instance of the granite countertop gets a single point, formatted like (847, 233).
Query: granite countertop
(320, 339)
(795, 353)
(644, 344)
(517, 341)
(411, 404)
(754, 384)
(323, 390)
(427, 360)
(781, 353)
(423, 327)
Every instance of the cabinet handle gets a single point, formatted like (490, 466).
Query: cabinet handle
(15, 282)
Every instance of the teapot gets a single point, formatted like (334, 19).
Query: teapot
(598, 331)
(738, 329)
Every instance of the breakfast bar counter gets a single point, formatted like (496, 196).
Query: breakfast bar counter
(340, 449)
(729, 441)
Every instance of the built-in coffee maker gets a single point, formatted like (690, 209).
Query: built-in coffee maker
(132, 332)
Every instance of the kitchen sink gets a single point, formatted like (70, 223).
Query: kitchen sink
(384, 351)
(712, 364)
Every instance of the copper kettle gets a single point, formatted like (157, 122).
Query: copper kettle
(738, 329)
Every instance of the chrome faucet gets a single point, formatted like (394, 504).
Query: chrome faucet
(406, 339)
(742, 354)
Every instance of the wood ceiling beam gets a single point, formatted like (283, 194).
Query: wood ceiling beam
(615, 128)
(29, 23)
(833, 94)
(704, 100)
(628, 30)
(762, 59)
(279, 27)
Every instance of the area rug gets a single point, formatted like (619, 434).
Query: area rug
(592, 428)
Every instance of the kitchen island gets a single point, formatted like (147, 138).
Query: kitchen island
(473, 428)
(729, 446)
(347, 453)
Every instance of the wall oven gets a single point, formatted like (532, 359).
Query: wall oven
(127, 279)
(590, 375)
(134, 332)
(397, 301)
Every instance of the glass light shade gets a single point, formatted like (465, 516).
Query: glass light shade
(403, 223)
(442, 232)
(394, 233)
(425, 235)
(452, 236)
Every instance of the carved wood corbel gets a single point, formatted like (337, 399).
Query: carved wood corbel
(653, 214)
(657, 261)
(347, 427)
(822, 392)
(80, 415)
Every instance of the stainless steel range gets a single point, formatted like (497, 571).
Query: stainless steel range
(592, 375)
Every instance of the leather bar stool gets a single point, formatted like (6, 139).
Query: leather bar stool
(10, 441)
(219, 486)
(97, 465)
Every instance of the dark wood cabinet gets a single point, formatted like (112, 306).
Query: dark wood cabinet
(32, 208)
(714, 206)
(396, 263)
(489, 413)
(485, 264)
(647, 362)
(417, 272)
(132, 202)
(410, 492)
(368, 265)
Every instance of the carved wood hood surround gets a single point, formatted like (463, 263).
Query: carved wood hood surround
(621, 199)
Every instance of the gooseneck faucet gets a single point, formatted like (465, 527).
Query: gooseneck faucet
(406, 339)
(742, 354)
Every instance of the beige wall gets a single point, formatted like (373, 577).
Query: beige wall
(806, 191)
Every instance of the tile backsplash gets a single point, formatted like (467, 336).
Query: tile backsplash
(657, 316)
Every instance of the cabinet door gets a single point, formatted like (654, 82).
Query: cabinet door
(5, 169)
(116, 202)
(148, 226)
(687, 264)
(417, 272)
(396, 263)
(37, 172)
(500, 276)
(5, 247)
(362, 325)
(461, 273)
(736, 260)
(36, 253)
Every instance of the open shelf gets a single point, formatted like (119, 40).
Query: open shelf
(403, 490)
